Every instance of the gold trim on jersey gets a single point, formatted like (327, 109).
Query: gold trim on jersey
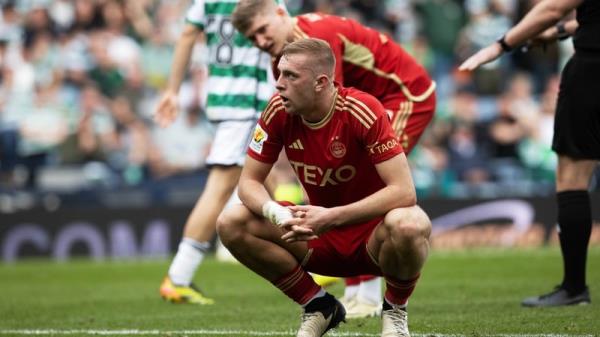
(274, 106)
(299, 34)
(360, 111)
(327, 118)
(418, 98)
(368, 112)
(401, 118)
(361, 56)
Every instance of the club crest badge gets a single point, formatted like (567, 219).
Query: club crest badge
(337, 149)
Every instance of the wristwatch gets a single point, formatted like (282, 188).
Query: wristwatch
(505, 47)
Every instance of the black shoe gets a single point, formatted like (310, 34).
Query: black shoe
(558, 297)
(321, 315)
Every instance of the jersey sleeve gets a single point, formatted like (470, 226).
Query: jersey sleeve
(380, 139)
(267, 139)
(195, 14)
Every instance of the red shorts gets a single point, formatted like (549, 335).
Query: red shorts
(409, 119)
(343, 251)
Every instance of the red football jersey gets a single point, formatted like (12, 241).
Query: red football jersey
(335, 158)
(367, 59)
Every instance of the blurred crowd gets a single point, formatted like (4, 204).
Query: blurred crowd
(79, 80)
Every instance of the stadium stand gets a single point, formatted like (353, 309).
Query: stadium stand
(79, 81)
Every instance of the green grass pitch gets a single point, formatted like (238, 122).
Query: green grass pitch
(473, 292)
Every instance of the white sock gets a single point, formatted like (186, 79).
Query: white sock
(189, 256)
(351, 291)
(321, 293)
(370, 291)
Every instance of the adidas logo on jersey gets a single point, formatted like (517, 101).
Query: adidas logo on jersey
(296, 145)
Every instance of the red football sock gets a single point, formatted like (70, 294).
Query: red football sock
(398, 291)
(365, 278)
(298, 285)
(352, 281)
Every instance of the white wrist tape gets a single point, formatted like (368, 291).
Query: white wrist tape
(276, 213)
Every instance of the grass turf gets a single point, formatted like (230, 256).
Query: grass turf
(473, 292)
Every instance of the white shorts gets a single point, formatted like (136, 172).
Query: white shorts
(230, 143)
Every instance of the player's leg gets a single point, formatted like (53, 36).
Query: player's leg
(198, 231)
(225, 158)
(409, 120)
(575, 227)
(257, 244)
(400, 246)
(576, 130)
(367, 302)
(574, 218)
(222, 254)
(351, 286)
(362, 296)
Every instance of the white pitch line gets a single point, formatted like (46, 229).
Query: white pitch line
(169, 332)
(58, 332)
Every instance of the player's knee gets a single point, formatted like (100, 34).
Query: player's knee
(571, 182)
(407, 224)
(573, 174)
(230, 225)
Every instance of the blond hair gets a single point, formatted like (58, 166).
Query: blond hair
(246, 10)
(318, 52)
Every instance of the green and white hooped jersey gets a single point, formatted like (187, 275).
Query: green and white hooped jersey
(238, 82)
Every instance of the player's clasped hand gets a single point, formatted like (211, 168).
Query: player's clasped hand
(307, 224)
(297, 233)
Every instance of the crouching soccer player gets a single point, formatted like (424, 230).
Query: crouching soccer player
(362, 217)
(366, 59)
